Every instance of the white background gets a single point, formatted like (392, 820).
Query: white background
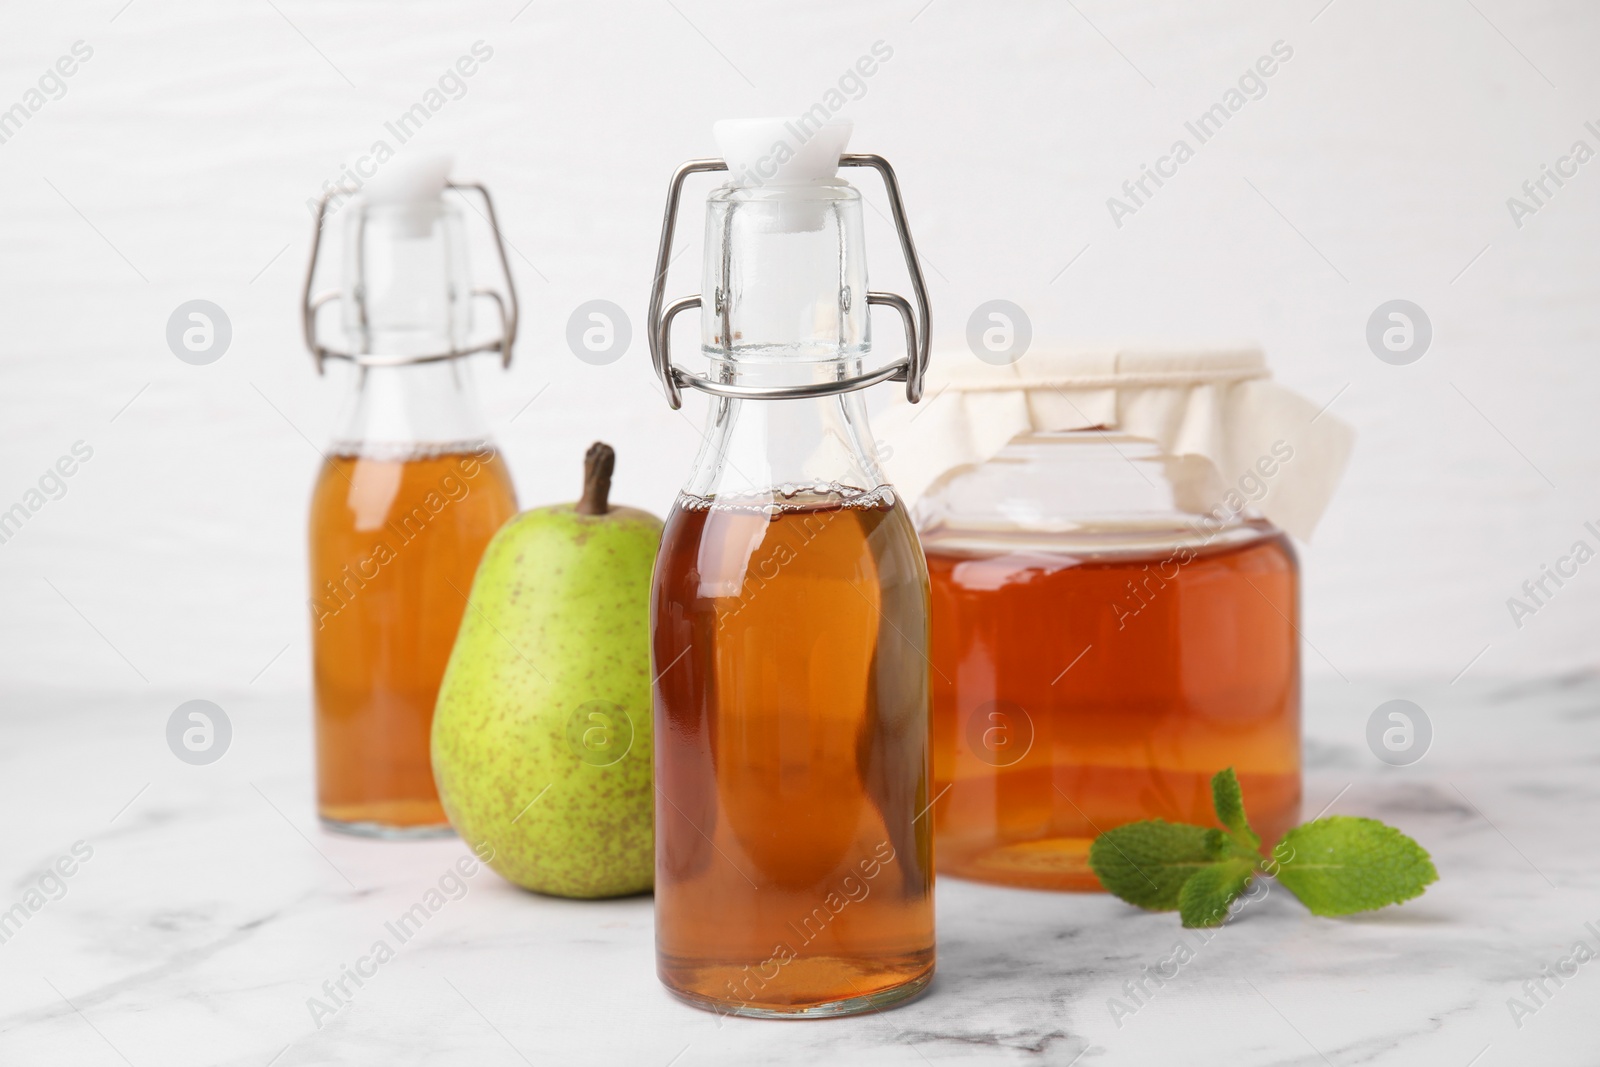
(179, 162)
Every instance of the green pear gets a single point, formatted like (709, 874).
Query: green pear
(542, 733)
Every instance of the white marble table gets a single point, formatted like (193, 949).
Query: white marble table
(212, 907)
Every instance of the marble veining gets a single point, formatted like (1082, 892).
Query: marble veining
(214, 909)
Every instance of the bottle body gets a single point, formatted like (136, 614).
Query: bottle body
(395, 539)
(1096, 666)
(793, 850)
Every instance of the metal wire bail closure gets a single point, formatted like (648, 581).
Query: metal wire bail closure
(911, 369)
(505, 306)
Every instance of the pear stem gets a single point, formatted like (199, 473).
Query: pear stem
(598, 463)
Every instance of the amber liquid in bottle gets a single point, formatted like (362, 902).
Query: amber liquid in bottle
(395, 543)
(793, 849)
(1074, 694)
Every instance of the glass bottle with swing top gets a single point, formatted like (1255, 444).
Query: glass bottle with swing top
(410, 492)
(794, 855)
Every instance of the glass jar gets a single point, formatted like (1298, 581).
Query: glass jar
(410, 491)
(794, 861)
(1099, 652)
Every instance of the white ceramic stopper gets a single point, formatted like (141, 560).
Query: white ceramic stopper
(779, 151)
(415, 185)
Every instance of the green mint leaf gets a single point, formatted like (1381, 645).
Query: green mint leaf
(1341, 865)
(1147, 863)
(1205, 897)
(1228, 799)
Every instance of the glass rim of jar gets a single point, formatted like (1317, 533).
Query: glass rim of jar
(1112, 531)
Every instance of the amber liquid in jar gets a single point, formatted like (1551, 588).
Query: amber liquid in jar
(1074, 693)
(794, 865)
(395, 543)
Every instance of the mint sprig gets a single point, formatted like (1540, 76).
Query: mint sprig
(1336, 865)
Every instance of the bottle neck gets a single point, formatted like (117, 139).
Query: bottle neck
(407, 284)
(407, 294)
(785, 284)
(411, 410)
(765, 449)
